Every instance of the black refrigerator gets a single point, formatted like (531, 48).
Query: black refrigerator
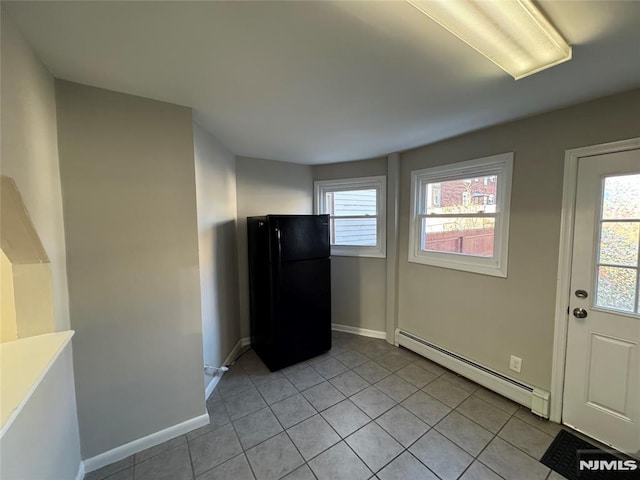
(289, 287)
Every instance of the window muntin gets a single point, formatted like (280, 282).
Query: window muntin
(356, 209)
(467, 228)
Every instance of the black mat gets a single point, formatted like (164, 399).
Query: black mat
(563, 453)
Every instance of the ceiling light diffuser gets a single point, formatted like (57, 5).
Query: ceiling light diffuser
(513, 34)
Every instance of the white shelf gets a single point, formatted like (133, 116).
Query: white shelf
(23, 365)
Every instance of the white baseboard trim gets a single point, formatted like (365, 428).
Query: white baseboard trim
(243, 342)
(535, 399)
(80, 474)
(123, 451)
(213, 383)
(359, 331)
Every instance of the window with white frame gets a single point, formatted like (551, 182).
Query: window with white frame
(460, 215)
(356, 207)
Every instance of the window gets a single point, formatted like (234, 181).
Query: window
(618, 262)
(356, 207)
(468, 227)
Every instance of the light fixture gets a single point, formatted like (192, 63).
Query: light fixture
(513, 34)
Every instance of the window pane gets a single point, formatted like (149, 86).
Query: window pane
(354, 231)
(616, 288)
(619, 243)
(468, 236)
(468, 195)
(352, 202)
(621, 197)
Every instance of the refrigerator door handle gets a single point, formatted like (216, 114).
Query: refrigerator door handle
(279, 244)
(276, 266)
(277, 283)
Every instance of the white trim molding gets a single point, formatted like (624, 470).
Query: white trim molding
(359, 331)
(136, 446)
(564, 262)
(80, 474)
(379, 184)
(213, 383)
(496, 166)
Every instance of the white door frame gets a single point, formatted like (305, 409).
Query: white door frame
(564, 262)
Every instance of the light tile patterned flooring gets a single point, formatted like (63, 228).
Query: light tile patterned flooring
(364, 410)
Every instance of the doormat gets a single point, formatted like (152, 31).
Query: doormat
(577, 459)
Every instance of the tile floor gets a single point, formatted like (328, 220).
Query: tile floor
(364, 410)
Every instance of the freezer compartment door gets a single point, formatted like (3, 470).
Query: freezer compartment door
(299, 237)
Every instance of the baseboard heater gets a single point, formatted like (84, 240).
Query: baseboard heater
(535, 399)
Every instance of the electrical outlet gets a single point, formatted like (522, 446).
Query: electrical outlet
(515, 364)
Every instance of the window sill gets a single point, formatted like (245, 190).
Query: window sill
(355, 252)
(478, 266)
(23, 365)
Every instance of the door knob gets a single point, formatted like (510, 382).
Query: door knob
(579, 313)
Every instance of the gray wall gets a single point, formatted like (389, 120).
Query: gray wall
(358, 284)
(266, 187)
(128, 182)
(215, 169)
(488, 318)
(48, 424)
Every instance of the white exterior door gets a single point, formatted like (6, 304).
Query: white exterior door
(602, 376)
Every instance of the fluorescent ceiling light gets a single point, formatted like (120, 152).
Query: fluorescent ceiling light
(513, 34)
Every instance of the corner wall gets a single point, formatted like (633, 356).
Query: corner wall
(30, 156)
(30, 152)
(488, 318)
(127, 169)
(215, 170)
(358, 284)
(266, 187)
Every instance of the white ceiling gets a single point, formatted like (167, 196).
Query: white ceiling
(316, 82)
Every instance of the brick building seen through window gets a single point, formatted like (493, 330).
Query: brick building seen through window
(466, 235)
